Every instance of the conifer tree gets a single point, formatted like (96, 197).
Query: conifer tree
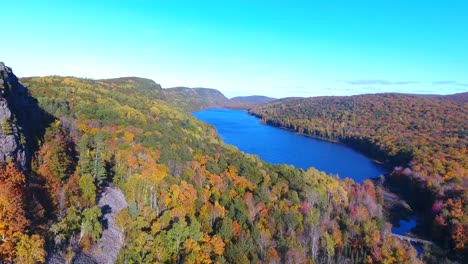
(6, 127)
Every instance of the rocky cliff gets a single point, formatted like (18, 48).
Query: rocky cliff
(21, 120)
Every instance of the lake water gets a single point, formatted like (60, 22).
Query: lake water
(279, 146)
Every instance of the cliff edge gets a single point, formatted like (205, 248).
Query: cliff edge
(22, 121)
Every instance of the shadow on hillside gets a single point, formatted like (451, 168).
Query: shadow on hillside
(31, 122)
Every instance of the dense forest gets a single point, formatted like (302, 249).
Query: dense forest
(193, 99)
(458, 97)
(424, 139)
(247, 102)
(191, 198)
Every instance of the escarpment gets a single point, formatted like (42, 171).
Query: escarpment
(22, 122)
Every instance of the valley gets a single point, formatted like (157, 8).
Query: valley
(264, 132)
(284, 147)
(190, 196)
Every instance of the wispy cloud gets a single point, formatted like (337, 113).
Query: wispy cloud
(450, 82)
(377, 82)
(444, 82)
(386, 82)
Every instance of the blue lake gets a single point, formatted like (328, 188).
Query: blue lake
(279, 146)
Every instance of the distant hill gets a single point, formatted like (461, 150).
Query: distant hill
(252, 99)
(247, 102)
(188, 99)
(458, 97)
(193, 99)
(143, 85)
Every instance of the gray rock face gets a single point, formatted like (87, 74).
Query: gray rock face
(22, 121)
(107, 249)
(10, 136)
(111, 202)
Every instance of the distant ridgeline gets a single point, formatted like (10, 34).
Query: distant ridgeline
(188, 99)
(425, 137)
(458, 97)
(191, 198)
(195, 99)
(247, 102)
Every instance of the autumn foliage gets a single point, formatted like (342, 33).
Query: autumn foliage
(191, 198)
(13, 220)
(425, 139)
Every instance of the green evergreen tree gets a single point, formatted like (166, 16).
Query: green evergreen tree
(90, 225)
(99, 170)
(88, 189)
(85, 159)
(6, 127)
(98, 165)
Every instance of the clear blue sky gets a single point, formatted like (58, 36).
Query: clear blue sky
(244, 47)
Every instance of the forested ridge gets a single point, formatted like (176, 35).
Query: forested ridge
(194, 99)
(247, 102)
(192, 199)
(425, 138)
(458, 97)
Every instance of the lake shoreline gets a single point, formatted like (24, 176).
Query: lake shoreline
(243, 130)
(396, 210)
(384, 164)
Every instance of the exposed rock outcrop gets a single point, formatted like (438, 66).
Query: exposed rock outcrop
(111, 202)
(106, 250)
(11, 148)
(22, 122)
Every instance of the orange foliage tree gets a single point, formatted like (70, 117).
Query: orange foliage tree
(12, 215)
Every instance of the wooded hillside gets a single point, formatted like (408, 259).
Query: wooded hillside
(425, 138)
(191, 197)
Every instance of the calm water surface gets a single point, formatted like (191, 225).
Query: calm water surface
(278, 146)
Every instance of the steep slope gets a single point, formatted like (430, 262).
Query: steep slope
(10, 136)
(192, 198)
(247, 102)
(22, 125)
(427, 136)
(194, 99)
(21, 120)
